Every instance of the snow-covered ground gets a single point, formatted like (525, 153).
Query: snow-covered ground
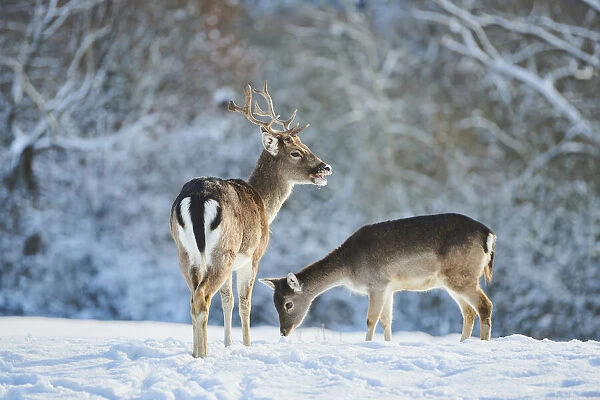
(44, 358)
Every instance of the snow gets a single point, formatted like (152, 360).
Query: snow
(44, 358)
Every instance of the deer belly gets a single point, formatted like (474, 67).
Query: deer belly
(417, 284)
(241, 260)
(355, 286)
(417, 273)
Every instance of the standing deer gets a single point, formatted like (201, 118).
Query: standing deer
(449, 251)
(222, 225)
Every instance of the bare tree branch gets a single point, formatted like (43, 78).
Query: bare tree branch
(470, 47)
(473, 24)
(565, 147)
(28, 87)
(477, 121)
(138, 128)
(569, 30)
(543, 86)
(56, 16)
(87, 42)
(593, 4)
(526, 27)
(34, 125)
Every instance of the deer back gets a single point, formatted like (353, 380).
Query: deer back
(416, 253)
(239, 215)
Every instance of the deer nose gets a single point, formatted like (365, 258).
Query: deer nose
(325, 168)
(283, 332)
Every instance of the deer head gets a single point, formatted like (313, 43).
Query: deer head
(294, 160)
(291, 302)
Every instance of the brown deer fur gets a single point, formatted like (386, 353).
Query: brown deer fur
(449, 251)
(222, 225)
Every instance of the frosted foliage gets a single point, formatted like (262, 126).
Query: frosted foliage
(420, 107)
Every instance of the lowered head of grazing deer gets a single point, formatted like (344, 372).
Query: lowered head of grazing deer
(291, 301)
(449, 251)
(222, 225)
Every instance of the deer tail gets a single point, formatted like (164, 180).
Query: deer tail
(490, 246)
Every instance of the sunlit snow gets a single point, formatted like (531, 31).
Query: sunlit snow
(44, 358)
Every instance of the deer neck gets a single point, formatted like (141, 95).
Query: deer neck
(267, 180)
(323, 275)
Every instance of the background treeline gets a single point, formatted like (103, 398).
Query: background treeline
(487, 108)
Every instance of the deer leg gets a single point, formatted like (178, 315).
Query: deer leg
(206, 283)
(200, 308)
(245, 283)
(227, 304)
(482, 304)
(468, 314)
(386, 318)
(376, 301)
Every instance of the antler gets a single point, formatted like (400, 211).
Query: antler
(249, 114)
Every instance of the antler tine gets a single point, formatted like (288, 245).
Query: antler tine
(247, 109)
(297, 130)
(270, 113)
(288, 122)
(270, 110)
(231, 106)
(259, 111)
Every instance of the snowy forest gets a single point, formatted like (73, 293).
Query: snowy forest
(487, 108)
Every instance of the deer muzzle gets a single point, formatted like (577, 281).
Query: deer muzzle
(318, 177)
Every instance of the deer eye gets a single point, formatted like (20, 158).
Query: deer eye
(289, 305)
(296, 154)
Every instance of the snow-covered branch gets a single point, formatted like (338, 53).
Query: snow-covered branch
(87, 42)
(568, 30)
(23, 84)
(593, 4)
(475, 43)
(56, 16)
(526, 27)
(564, 148)
(45, 94)
(477, 121)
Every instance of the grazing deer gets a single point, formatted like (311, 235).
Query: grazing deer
(449, 251)
(222, 225)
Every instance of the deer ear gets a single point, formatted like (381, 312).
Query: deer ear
(293, 283)
(270, 282)
(270, 142)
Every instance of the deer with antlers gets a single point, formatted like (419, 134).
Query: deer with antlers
(222, 225)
